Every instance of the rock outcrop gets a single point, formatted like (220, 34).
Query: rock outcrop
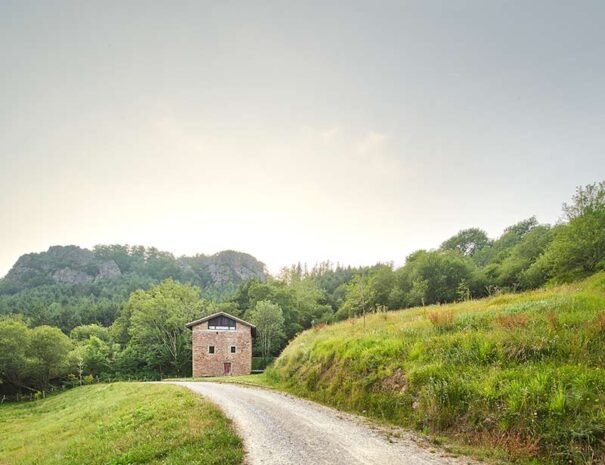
(72, 265)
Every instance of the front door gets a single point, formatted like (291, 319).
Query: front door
(227, 368)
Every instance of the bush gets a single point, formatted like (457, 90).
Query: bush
(442, 320)
(260, 363)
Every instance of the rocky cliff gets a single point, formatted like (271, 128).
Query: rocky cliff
(75, 265)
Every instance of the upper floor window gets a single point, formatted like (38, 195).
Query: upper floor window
(221, 322)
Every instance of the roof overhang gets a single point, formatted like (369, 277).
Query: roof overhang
(191, 324)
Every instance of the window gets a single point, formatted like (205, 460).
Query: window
(210, 349)
(221, 322)
(232, 349)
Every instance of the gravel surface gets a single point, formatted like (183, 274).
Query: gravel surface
(279, 429)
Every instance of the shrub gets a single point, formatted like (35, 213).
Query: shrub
(598, 323)
(553, 320)
(518, 320)
(442, 320)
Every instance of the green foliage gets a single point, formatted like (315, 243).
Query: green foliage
(125, 307)
(96, 356)
(467, 242)
(84, 332)
(260, 363)
(520, 374)
(31, 359)
(578, 248)
(302, 301)
(499, 249)
(48, 348)
(269, 321)
(511, 273)
(361, 298)
(14, 353)
(70, 286)
(586, 200)
(115, 424)
(157, 319)
(435, 276)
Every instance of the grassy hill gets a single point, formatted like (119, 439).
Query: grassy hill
(518, 375)
(118, 424)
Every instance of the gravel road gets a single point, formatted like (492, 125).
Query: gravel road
(279, 429)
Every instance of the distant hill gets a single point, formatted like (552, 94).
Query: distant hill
(75, 265)
(70, 285)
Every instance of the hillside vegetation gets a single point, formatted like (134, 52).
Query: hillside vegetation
(118, 424)
(520, 375)
(69, 316)
(68, 286)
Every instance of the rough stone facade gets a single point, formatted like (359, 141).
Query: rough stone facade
(214, 364)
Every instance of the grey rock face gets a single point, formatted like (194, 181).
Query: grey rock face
(108, 269)
(71, 276)
(216, 274)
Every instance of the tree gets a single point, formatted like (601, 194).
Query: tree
(94, 356)
(511, 273)
(578, 248)
(49, 348)
(418, 291)
(85, 332)
(435, 276)
(499, 249)
(278, 292)
(14, 361)
(269, 321)
(467, 242)
(360, 298)
(588, 199)
(382, 280)
(310, 302)
(157, 324)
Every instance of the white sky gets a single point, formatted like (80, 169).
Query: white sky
(294, 131)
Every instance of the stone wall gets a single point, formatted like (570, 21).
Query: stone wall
(206, 364)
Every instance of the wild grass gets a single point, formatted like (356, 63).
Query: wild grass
(516, 375)
(118, 424)
(442, 320)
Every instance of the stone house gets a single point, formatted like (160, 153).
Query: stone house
(221, 345)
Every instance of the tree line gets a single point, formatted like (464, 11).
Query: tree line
(144, 334)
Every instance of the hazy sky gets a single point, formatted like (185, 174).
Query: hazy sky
(350, 131)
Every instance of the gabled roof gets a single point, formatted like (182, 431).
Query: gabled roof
(191, 324)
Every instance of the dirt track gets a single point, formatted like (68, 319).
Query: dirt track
(279, 429)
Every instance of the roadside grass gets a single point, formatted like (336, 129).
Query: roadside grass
(257, 380)
(118, 424)
(518, 376)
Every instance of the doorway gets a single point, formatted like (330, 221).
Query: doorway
(227, 368)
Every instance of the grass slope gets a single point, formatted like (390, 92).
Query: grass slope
(518, 376)
(118, 424)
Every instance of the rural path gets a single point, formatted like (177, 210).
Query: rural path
(279, 429)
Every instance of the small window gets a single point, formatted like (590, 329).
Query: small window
(210, 349)
(232, 349)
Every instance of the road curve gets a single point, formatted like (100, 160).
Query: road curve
(279, 429)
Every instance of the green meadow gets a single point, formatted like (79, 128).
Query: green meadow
(516, 376)
(118, 424)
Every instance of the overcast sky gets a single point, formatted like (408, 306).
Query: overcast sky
(294, 131)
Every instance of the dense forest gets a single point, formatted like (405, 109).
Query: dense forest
(71, 315)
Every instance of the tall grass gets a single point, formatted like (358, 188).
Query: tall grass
(520, 375)
(118, 424)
